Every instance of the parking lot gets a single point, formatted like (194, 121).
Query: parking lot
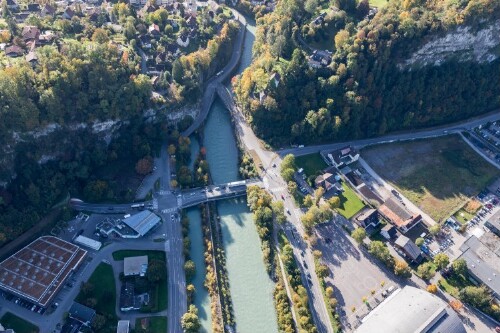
(346, 260)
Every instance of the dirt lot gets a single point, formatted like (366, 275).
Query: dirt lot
(438, 175)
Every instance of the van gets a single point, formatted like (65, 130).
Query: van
(301, 146)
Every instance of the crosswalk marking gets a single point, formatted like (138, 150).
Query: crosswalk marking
(155, 204)
(169, 210)
(163, 192)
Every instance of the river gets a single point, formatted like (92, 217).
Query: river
(251, 288)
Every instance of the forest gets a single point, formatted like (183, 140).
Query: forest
(364, 91)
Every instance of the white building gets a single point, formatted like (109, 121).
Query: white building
(88, 242)
(135, 266)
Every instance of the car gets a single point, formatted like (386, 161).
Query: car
(328, 240)
(274, 165)
(302, 253)
(288, 211)
(305, 265)
(282, 197)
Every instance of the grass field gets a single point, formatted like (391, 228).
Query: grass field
(104, 290)
(378, 3)
(10, 320)
(350, 203)
(453, 284)
(155, 324)
(438, 175)
(152, 254)
(312, 163)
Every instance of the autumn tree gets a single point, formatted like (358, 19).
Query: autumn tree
(144, 166)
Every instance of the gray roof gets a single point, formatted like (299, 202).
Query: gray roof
(142, 222)
(495, 220)
(412, 310)
(81, 313)
(135, 265)
(482, 263)
(123, 326)
(410, 248)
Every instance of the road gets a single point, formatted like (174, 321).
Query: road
(404, 136)
(212, 84)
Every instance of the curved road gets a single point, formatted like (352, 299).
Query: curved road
(217, 80)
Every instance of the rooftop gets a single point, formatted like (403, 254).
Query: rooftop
(37, 271)
(410, 248)
(412, 310)
(123, 326)
(397, 213)
(135, 265)
(81, 313)
(482, 262)
(142, 222)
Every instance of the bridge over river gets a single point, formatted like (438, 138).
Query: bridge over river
(171, 201)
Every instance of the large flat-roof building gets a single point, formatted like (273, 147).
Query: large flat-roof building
(483, 264)
(493, 223)
(142, 222)
(412, 310)
(135, 266)
(39, 270)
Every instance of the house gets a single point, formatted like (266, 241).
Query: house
(342, 157)
(32, 58)
(330, 183)
(274, 80)
(68, 13)
(389, 232)
(148, 8)
(409, 248)
(3, 330)
(137, 2)
(183, 40)
(368, 219)
(483, 263)
(46, 37)
(154, 30)
(493, 223)
(191, 7)
(30, 33)
(191, 21)
(319, 59)
(172, 49)
(398, 215)
(47, 10)
(145, 41)
(82, 313)
(33, 8)
(133, 266)
(14, 51)
(12, 5)
(128, 300)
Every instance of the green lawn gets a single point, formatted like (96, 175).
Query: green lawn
(312, 164)
(152, 254)
(439, 175)
(155, 325)
(350, 203)
(462, 216)
(10, 320)
(453, 284)
(104, 290)
(378, 3)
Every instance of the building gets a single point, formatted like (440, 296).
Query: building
(135, 266)
(398, 215)
(389, 232)
(88, 242)
(493, 223)
(483, 264)
(343, 157)
(142, 222)
(123, 326)
(368, 219)
(39, 270)
(128, 299)
(3, 330)
(410, 249)
(412, 310)
(82, 313)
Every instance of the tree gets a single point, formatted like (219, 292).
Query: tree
(190, 290)
(359, 235)
(311, 6)
(441, 260)
(318, 193)
(288, 162)
(292, 188)
(425, 271)
(157, 270)
(322, 271)
(98, 322)
(308, 201)
(100, 36)
(287, 174)
(435, 229)
(190, 322)
(419, 241)
(190, 270)
(381, 252)
(478, 297)
(87, 288)
(171, 150)
(460, 267)
(456, 305)
(144, 166)
(401, 268)
(432, 288)
(334, 202)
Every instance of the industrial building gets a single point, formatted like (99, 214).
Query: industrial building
(88, 242)
(135, 266)
(412, 310)
(141, 223)
(40, 269)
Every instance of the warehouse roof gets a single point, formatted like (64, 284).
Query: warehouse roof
(142, 222)
(412, 310)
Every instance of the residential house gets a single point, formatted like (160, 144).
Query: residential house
(12, 5)
(191, 21)
(342, 157)
(483, 263)
(48, 10)
(389, 232)
(33, 8)
(128, 300)
(22, 16)
(398, 215)
(367, 219)
(14, 51)
(183, 40)
(3, 330)
(172, 49)
(191, 7)
(123, 326)
(330, 183)
(319, 59)
(148, 8)
(46, 37)
(154, 31)
(410, 249)
(32, 58)
(30, 34)
(137, 2)
(68, 13)
(145, 41)
(274, 80)
(82, 313)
